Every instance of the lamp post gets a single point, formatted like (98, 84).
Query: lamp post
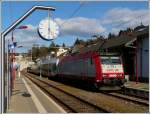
(49, 65)
(40, 69)
(31, 54)
(136, 61)
(9, 68)
(13, 54)
(8, 78)
(19, 64)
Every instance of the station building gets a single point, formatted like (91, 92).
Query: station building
(143, 53)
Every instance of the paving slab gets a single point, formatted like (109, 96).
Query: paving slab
(28, 98)
(21, 101)
(138, 85)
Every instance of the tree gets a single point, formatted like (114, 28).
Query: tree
(63, 45)
(43, 51)
(96, 36)
(35, 52)
(57, 45)
(53, 47)
(129, 29)
(109, 35)
(77, 41)
(120, 32)
(52, 44)
(101, 37)
(113, 35)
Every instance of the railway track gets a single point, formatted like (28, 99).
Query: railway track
(71, 102)
(128, 98)
(135, 93)
(92, 102)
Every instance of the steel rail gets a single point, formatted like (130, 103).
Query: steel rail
(80, 100)
(128, 98)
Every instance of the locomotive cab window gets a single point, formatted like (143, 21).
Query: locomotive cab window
(110, 60)
(116, 61)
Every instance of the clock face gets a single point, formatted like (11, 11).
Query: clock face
(48, 29)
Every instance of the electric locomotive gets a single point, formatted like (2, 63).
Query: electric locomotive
(105, 71)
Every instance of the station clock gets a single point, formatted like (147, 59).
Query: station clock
(48, 29)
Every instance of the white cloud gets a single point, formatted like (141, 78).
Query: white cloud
(26, 37)
(113, 21)
(80, 26)
(120, 15)
(119, 18)
(116, 19)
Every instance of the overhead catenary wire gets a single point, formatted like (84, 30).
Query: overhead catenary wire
(74, 12)
(130, 20)
(118, 25)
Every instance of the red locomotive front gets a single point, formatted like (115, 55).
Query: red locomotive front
(110, 71)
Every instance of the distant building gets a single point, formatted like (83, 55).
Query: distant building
(61, 50)
(19, 57)
(22, 61)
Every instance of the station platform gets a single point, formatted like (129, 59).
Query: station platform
(28, 98)
(137, 85)
(138, 89)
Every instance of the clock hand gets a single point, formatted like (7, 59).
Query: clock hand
(48, 32)
(48, 29)
(52, 33)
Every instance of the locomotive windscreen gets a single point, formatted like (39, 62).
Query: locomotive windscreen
(110, 60)
(111, 64)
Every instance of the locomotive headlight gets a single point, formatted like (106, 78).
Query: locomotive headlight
(104, 75)
(97, 80)
(119, 75)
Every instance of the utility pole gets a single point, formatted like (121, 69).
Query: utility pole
(13, 60)
(40, 69)
(31, 54)
(8, 78)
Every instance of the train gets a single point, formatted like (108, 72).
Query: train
(103, 71)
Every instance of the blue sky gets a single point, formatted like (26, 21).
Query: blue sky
(97, 17)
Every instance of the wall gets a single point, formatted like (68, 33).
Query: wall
(143, 58)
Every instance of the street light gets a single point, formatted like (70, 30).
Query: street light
(40, 68)
(9, 81)
(20, 27)
(18, 64)
(31, 54)
(9, 92)
(13, 53)
(19, 46)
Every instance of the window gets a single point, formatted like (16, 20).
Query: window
(110, 60)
